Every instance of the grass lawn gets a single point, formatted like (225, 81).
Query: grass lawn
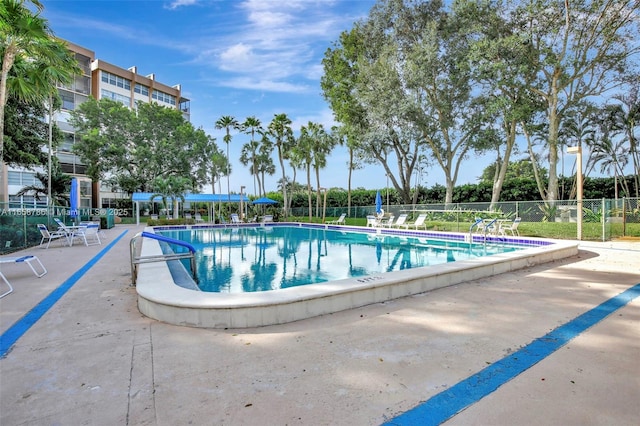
(558, 230)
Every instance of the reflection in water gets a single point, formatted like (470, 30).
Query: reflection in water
(233, 260)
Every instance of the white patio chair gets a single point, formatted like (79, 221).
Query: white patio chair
(513, 227)
(235, 219)
(51, 235)
(339, 221)
(386, 223)
(89, 234)
(419, 222)
(401, 222)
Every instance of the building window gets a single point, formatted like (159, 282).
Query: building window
(142, 89)
(116, 80)
(67, 143)
(115, 96)
(164, 97)
(15, 177)
(67, 100)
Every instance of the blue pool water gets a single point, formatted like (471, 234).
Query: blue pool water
(238, 260)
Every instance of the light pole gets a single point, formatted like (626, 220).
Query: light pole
(578, 151)
(241, 207)
(324, 208)
(387, 175)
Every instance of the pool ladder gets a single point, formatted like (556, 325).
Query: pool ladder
(486, 227)
(137, 259)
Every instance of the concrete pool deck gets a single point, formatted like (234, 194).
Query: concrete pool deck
(92, 358)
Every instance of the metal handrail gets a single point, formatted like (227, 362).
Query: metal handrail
(137, 259)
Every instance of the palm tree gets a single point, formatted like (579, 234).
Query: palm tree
(613, 157)
(28, 45)
(302, 150)
(60, 184)
(171, 187)
(249, 153)
(227, 122)
(623, 119)
(219, 167)
(265, 164)
(280, 130)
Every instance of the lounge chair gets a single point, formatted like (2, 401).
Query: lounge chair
(339, 221)
(187, 216)
(400, 222)
(267, 218)
(513, 228)
(88, 233)
(386, 223)
(235, 219)
(198, 218)
(51, 235)
(419, 222)
(22, 259)
(372, 221)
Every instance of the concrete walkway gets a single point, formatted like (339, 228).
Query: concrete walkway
(93, 359)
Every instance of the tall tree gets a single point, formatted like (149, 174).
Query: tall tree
(249, 154)
(280, 131)
(27, 44)
(265, 164)
(26, 134)
(302, 151)
(623, 120)
(498, 54)
(582, 55)
(227, 123)
(137, 147)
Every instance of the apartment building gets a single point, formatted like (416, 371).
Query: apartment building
(99, 79)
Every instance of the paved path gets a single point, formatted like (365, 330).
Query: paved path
(93, 359)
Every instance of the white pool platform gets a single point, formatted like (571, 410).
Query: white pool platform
(160, 298)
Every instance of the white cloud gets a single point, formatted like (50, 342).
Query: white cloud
(265, 85)
(178, 3)
(275, 44)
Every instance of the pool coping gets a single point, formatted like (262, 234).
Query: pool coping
(161, 299)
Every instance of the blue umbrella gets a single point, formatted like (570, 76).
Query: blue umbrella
(73, 199)
(378, 203)
(264, 200)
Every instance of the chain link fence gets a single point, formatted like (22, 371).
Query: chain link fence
(602, 219)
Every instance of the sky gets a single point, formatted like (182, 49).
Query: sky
(238, 58)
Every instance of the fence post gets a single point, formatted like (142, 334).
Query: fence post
(604, 219)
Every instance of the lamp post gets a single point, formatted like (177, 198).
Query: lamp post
(324, 207)
(49, 160)
(241, 207)
(387, 175)
(578, 151)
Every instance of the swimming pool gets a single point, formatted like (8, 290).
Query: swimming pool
(160, 298)
(249, 259)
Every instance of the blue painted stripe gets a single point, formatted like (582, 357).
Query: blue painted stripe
(17, 330)
(448, 403)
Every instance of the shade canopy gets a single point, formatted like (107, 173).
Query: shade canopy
(193, 198)
(264, 200)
